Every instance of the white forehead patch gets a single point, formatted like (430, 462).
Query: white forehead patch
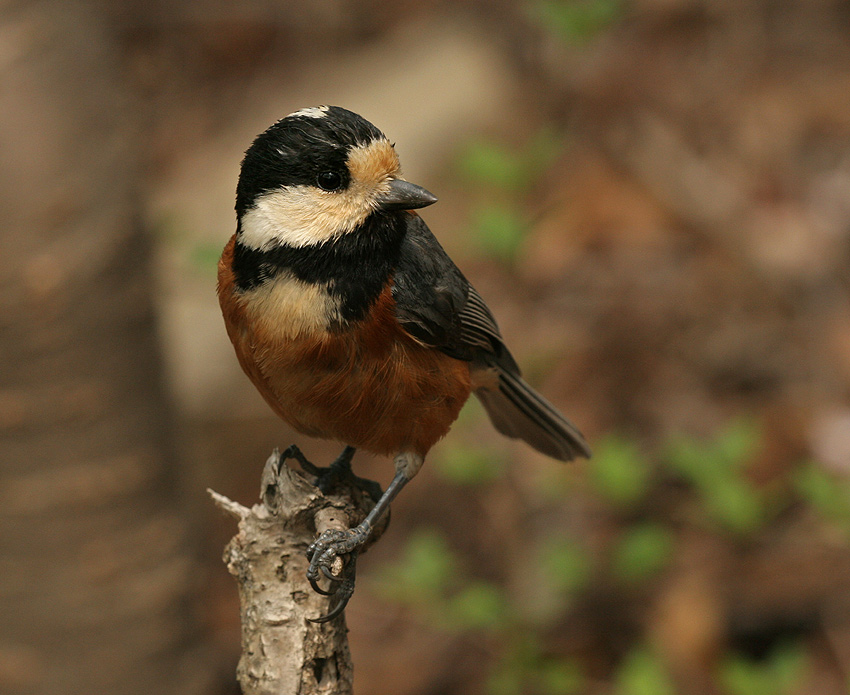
(311, 112)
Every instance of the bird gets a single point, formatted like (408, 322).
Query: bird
(352, 321)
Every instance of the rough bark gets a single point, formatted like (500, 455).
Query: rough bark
(283, 653)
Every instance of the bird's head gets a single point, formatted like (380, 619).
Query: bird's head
(317, 175)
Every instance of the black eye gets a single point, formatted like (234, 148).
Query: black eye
(329, 181)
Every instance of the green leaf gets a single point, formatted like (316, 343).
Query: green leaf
(545, 146)
(499, 230)
(577, 21)
(486, 162)
(718, 471)
(461, 465)
(736, 505)
(642, 673)
(520, 660)
(618, 472)
(692, 460)
(424, 571)
(510, 171)
(780, 674)
(508, 679)
(728, 454)
(642, 552)
(737, 443)
(825, 492)
(741, 677)
(788, 664)
(566, 565)
(560, 677)
(478, 606)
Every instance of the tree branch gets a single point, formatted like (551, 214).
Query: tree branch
(282, 652)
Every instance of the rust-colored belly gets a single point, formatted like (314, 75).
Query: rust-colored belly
(384, 396)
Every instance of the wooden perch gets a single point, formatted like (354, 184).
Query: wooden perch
(283, 653)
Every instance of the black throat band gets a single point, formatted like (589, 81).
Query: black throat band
(354, 268)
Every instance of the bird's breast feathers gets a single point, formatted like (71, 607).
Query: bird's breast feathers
(367, 383)
(281, 308)
(285, 308)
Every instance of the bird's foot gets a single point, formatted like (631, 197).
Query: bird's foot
(334, 555)
(293, 452)
(328, 478)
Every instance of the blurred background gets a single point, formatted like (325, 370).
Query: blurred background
(654, 198)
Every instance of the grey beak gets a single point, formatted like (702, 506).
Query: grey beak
(404, 195)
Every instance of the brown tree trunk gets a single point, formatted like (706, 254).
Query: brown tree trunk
(94, 573)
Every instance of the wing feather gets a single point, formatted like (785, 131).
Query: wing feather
(437, 306)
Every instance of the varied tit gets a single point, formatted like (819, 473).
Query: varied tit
(351, 319)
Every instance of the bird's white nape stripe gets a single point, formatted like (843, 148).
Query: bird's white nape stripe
(310, 112)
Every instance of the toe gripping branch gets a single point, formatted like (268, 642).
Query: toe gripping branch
(333, 555)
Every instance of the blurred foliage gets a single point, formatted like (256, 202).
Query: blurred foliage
(469, 465)
(493, 165)
(499, 230)
(204, 257)
(566, 565)
(513, 170)
(424, 571)
(780, 674)
(826, 495)
(576, 22)
(526, 668)
(642, 552)
(503, 176)
(618, 472)
(477, 606)
(199, 257)
(718, 471)
(643, 673)
(712, 479)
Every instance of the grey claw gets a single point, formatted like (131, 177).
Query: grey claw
(343, 593)
(326, 571)
(322, 553)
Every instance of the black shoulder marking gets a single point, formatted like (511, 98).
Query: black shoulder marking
(251, 268)
(436, 304)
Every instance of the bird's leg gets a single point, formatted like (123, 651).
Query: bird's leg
(334, 543)
(293, 452)
(328, 478)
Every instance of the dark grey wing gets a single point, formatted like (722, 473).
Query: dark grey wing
(429, 291)
(479, 329)
(436, 305)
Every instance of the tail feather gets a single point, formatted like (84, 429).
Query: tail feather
(519, 412)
